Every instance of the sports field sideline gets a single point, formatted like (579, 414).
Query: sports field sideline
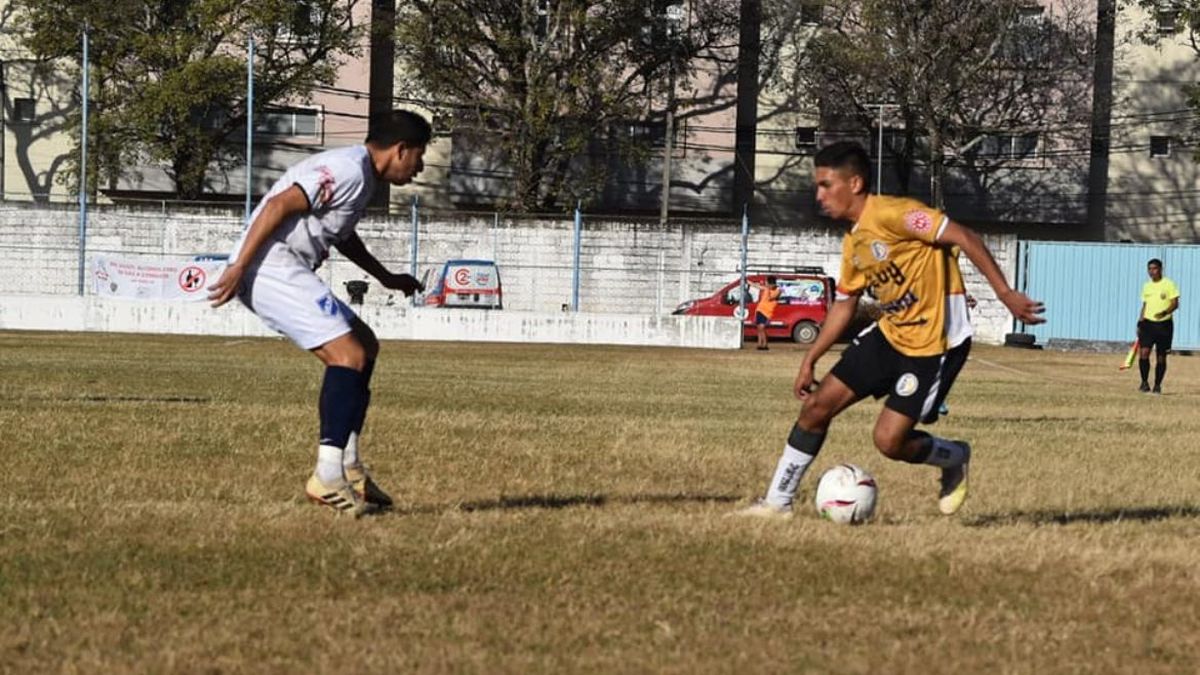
(562, 509)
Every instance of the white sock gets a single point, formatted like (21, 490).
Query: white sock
(947, 453)
(329, 465)
(350, 455)
(789, 471)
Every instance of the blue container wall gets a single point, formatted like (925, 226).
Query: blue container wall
(1093, 291)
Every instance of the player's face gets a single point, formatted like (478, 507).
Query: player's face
(404, 164)
(837, 191)
(1155, 272)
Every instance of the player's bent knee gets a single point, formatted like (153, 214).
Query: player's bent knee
(345, 352)
(890, 445)
(815, 414)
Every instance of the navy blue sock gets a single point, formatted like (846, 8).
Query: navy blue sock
(342, 404)
(368, 369)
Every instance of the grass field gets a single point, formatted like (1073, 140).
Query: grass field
(562, 509)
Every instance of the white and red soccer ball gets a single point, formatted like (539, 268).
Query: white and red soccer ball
(846, 494)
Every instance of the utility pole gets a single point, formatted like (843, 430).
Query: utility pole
(879, 147)
(673, 19)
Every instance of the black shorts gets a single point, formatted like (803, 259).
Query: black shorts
(1157, 334)
(761, 319)
(956, 358)
(870, 366)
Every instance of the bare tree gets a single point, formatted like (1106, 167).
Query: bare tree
(958, 71)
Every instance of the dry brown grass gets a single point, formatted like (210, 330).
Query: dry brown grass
(562, 510)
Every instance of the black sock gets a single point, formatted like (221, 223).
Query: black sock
(1160, 369)
(1144, 367)
(342, 403)
(924, 446)
(808, 442)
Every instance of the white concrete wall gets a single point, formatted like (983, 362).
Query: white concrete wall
(628, 268)
(90, 313)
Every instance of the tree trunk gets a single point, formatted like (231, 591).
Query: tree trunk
(937, 198)
(189, 169)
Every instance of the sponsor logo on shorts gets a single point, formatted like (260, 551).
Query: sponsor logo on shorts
(328, 305)
(906, 385)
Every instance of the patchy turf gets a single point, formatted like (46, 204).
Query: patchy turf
(562, 509)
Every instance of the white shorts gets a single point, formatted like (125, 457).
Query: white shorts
(293, 300)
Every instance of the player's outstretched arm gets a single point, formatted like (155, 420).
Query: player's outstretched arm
(835, 324)
(288, 203)
(356, 251)
(1026, 310)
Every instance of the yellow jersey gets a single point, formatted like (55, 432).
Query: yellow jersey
(1158, 296)
(892, 255)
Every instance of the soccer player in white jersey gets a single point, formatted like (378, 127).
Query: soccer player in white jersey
(315, 205)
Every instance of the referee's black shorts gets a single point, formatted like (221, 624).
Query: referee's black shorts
(1157, 334)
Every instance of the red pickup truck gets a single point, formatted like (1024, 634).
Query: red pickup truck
(805, 298)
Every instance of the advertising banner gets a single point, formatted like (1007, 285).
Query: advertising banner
(186, 280)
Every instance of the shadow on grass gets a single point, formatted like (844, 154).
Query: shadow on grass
(111, 398)
(553, 501)
(1145, 514)
(94, 398)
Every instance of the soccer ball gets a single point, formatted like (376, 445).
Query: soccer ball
(846, 494)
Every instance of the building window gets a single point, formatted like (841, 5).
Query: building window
(811, 12)
(24, 110)
(1166, 14)
(806, 138)
(1160, 146)
(293, 122)
(541, 12)
(1007, 146)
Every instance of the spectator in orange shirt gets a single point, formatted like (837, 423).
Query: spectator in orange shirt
(768, 298)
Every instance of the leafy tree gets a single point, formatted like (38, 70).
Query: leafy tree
(956, 70)
(545, 84)
(168, 76)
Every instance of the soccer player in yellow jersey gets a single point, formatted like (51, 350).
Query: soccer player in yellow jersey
(1156, 327)
(896, 251)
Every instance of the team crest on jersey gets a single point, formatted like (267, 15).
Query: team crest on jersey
(918, 221)
(325, 185)
(906, 385)
(879, 250)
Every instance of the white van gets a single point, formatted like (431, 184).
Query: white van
(467, 283)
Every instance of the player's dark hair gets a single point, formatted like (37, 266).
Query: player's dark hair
(770, 281)
(846, 156)
(1155, 261)
(398, 126)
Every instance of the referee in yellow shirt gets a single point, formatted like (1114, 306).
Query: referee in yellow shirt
(1160, 299)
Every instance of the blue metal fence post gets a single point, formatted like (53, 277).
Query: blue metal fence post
(249, 122)
(745, 248)
(83, 166)
(575, 263)
(414, 248)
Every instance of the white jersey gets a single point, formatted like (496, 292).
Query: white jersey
(338, 184)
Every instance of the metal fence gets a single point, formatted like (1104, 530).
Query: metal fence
(548, 262)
